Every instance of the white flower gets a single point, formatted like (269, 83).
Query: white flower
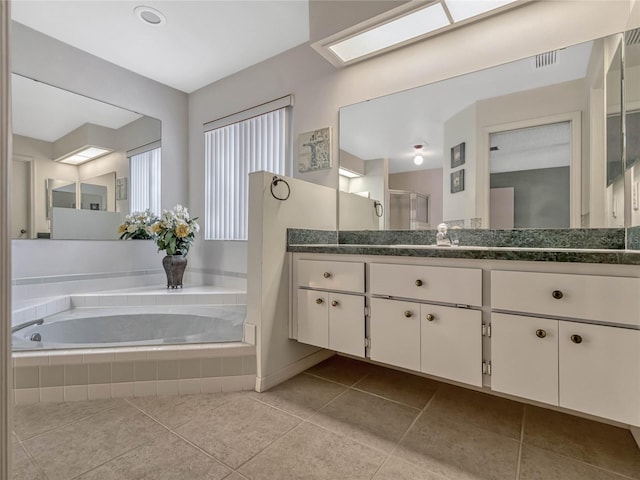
(132, 228)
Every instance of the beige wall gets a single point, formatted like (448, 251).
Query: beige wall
(428, 182)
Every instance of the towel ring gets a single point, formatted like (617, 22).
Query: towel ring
(274, 183)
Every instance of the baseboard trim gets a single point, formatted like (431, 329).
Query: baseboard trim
(265, 383)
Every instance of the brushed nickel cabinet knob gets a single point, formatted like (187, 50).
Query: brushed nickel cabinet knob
(326, 275)
(576, 339)
(408, 313)
(431, 317)
(557, 294)
(335, 303)
(541, 333)
(419, 283)
(319, 301)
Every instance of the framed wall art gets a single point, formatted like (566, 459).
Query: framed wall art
(457, 155)
(457, 181)
(314, 150)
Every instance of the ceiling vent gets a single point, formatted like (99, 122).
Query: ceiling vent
(632, 37)
(546, 59)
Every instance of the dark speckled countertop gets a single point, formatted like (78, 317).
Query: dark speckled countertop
(576, 245)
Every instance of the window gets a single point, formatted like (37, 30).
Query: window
(144, 168)
(235, 146)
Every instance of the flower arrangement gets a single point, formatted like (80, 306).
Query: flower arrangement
(175, 231)
(137, 225)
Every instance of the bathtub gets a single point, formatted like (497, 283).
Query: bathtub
(133, 326)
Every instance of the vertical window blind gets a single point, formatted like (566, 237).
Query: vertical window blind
(231, 153)
(144, 172)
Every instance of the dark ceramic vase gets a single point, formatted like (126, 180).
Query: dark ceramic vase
(174, 267)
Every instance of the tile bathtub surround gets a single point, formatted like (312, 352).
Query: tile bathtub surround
(341, 419)
(137, 377)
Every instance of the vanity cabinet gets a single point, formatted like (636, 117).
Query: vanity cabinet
(587, 367)
(331, 305)
(442, 339)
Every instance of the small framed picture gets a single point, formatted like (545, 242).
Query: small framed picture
(457, 181)
(457, 155)
(314, 151)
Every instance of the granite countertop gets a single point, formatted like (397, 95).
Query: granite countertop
(535, 254)
(586, 245)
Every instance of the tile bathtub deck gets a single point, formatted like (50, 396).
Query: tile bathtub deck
(342, 419)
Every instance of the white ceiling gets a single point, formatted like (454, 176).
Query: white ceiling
(48, 113)
(201, 42)
(388, 127)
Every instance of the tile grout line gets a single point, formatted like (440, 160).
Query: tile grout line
(520, 445)
(31, 458)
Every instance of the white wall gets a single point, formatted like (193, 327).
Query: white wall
(309, 206)
(320, 89)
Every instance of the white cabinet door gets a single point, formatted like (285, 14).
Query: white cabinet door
(395, 333)
(451, 344)
(524, 357)
(600, 371)
(313, 320)
(346, 324)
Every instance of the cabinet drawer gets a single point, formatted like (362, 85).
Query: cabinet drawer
(438, 284)
(591, 297)
(344, 276)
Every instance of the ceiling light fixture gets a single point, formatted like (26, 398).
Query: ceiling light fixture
(149, 15)
(404, 25)
(418, 159)
(83, 155)
(345, 172)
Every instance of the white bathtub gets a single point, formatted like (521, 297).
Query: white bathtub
(134, 326)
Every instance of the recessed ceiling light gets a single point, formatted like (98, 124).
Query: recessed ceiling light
(348, 173)
(84, 155)
(463, 9)
(149, 15)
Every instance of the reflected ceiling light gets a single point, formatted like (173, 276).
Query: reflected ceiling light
(406, 24)
(149, 16)
(83, 155)
(345, 172)
(463, 9)
(395, 32)
(418, 159)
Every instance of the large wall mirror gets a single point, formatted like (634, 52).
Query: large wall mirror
(519, 145)
(56, 192)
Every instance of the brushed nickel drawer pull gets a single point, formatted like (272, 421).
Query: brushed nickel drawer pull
(576, 339)
(408, 313)
(335, 303)
(431, 317)
(326, 275)
(557, 294)
(541, 333)
(419, 283)
(319, 301)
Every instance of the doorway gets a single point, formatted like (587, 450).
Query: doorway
(21, 181)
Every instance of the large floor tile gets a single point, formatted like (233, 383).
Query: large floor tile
(457, 452)
(302, 395)
(176, 410)
(402, 387)
(342, 369)
(23, 467)
(77, 448)
(470, 407)
(539, 464)
(605, 446)
(166, 458)
(396, 469)
(371, 420)
(311, 453)
(236, 431)
(31, 420)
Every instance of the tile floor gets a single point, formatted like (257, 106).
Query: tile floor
(340, 420)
